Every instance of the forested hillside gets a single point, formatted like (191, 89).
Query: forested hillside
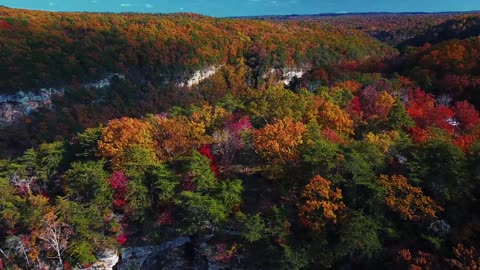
(154, 54)
(369, 159)
(40, 49)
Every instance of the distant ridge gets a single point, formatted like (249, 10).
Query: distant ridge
(339, 14)
(266, 16)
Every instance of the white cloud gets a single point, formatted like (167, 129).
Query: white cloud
(125, 5)
(148, 6)
(51, 4)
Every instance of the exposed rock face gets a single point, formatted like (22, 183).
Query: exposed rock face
(106, 261)
(105, 82)
(144, 257)
(286, 74)
(13, 107)
(16, 106)
(199, 76)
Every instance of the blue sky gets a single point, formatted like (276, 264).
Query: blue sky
(246, 7)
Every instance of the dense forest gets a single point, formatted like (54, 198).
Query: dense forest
(370, 160)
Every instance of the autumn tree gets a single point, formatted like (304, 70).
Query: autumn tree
(407, 200)
(425, 113)
(466, 258)
(229, 140)
(276, 103)
(322, 204)
(120, 134)
(20, 246)
(177, 136)
(56, 235)
(384, 140)
(466, 115)
(376, 105)
(279, 142)
(421, 261)
(331, 116)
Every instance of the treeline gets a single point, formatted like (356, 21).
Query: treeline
(463, 27)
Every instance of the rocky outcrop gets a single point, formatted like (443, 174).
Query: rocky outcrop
(199, 76)
(144, 257)
(289, 75)
(286, 75)
(107, 260)
(14, 107)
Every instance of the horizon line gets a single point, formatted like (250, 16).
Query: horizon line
(325, 14)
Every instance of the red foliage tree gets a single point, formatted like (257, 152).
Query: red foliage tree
(5, 25)
(466, 115)
(422, 109)
(205, 151)
(118, 182)
(122, 238)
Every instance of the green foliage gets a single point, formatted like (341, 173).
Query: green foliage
(87, 220)
(319, 155)
(276, 103)
(87, 143)
(253, 227)
(399, 118)
(87, 182)
(199, 169)
(200, 211)
(139, 159)
(137, 198)
(11, 206)
(293, 258)
(442, 170)
(163, 180)
(360, 236)
(362, 164)
(230, 192)
(83, 252)
(46, 160)
(210, 202)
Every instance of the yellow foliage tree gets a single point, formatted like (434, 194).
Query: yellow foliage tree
(407, 200)
(384, 140)
(174, 137)
(209, 116)
(121, 134)
(322, 204)
(279, 142)
(331, 116)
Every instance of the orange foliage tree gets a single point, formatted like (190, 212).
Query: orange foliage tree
(352, 86)
(423, 260)
(279, 142)
(465, 258)
(174, 137)
(322, 204)
(121, 134)
(331, 116)
(407, 200)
